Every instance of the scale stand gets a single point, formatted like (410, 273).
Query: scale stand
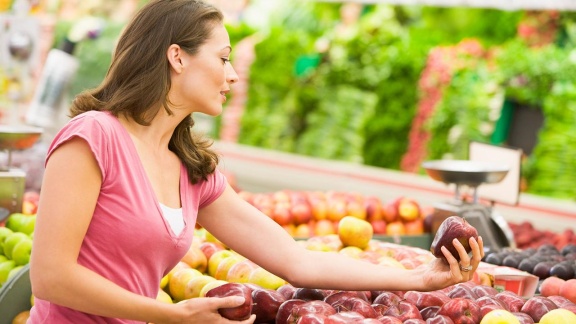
(13, 180)
(493, 228)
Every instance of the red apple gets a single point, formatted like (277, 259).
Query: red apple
(308, 294)
(462, 291)
(286, 308)
(414, 227)
(390, 210)
(491, 300)
(453, 227)
(287, 290)
(537, 306)
(387, 298)
(559, 300)
(373, 207)
(429, 312)
(523, 318)
(266, 304)
(414, 321)
(310, 307)
(311, 318)
(386, 319)
(208, 248)
(424, 299)
(339, 296)
(238, 313)
(344, 317)
(355, 304)
(482, 290)
(379, 226)
(461, 310)
(403, 311)
(512, 300)
(281, 213)
(440, 319)
(301, 212)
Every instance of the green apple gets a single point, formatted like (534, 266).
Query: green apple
(4, 233)
(3, 258)
(11, 242)
(14, 271)
(28, 224)
(21, 251)
(14, 221)
(5, 268)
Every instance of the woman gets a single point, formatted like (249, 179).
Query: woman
(127, 161)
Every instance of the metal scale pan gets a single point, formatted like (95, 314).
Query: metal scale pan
(13, 180)
(490, 225)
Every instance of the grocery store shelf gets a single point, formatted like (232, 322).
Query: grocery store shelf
(565, 5)
(259, 170)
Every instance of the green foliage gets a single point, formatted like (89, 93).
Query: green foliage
(467, 112)
(550, 170)
(336, 129)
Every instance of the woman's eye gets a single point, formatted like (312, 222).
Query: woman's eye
(225, 60)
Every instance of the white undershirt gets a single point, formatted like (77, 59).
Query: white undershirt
(174, 218)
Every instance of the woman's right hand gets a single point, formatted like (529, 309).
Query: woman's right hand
(205, 310)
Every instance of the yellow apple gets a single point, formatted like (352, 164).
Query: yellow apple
(211, 285)
(215, 260)
(178, 281)
(558, 316)
(196, 259)
(195, 285)
(265, 279)
(240, 272)
(500, 316)
(351, 251)
(354, 231)
(224, 266)
(164, 297)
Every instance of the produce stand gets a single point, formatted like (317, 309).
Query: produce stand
(15, 295)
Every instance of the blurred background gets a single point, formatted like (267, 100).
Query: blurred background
(376, 83)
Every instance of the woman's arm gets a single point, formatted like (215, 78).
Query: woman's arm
(245, 229)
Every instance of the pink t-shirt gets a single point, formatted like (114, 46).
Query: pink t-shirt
(128, 240)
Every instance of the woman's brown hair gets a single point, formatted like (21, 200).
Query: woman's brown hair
(139, 75)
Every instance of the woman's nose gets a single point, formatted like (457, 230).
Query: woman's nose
(231, 76)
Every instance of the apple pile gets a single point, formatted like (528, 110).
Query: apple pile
(310, 213)
(15, 244)
(528, 237)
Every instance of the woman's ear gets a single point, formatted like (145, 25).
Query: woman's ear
(174, 55)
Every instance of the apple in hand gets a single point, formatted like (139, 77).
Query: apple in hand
(238, 313)
(266, 303)
(453, 227)
(461, 310)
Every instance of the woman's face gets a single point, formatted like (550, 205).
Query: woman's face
(203, 80)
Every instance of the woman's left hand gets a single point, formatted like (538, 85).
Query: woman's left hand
(441, 274)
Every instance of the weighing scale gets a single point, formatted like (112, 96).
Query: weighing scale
(493, 228)
(13, 180)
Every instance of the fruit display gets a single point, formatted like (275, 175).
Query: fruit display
(309, 213)
(226, 273)
(526, 236)
(545, 261)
